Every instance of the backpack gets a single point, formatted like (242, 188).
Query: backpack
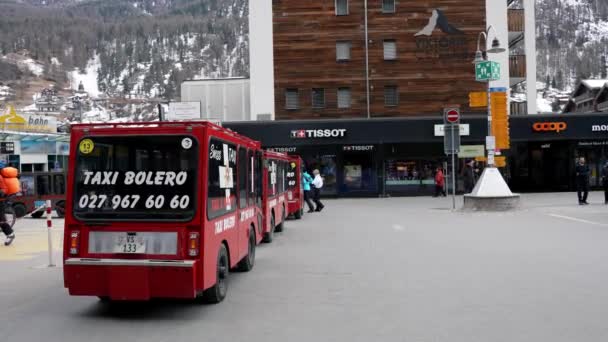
(10, 175)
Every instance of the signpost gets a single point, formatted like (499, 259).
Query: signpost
(478, 99)
(487, 71)
(451, 142)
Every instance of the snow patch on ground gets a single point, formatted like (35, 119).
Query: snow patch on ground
(88, 78)
(33, 66)
(543, 105)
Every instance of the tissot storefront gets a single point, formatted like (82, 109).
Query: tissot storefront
(398, 156)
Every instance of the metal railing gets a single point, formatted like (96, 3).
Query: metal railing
(517, 21)
(517, 66)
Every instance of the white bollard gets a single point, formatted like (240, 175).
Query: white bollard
(49, 225)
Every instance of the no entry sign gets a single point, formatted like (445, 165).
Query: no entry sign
(452, 115)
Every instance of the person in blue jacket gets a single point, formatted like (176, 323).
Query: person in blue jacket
(306, 185)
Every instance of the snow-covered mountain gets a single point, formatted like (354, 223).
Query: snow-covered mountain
(572, 41)
(132, 48)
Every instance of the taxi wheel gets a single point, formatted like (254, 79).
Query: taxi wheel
(282, 224)
(217, 293)
(248, 261)
(20, 210)
(270, 235)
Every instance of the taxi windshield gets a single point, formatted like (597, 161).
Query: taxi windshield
(140, 178)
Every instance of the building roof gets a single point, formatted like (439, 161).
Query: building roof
(594, 84)
(602, 95)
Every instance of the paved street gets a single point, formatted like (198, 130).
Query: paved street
(397, 269)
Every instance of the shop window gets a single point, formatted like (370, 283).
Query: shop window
(390, 50)
(318, 98)
(341, 7)
(343, 51)
(222, 179)
(343, 98)
(43, 185)
(292, 100)
(410, 175)
(359, 170)
(391, 96)
(388, 6)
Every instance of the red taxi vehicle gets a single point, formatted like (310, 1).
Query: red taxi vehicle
(160, 210)
(295, 192)
(274, 203)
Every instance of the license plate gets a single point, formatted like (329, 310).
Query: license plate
(39, 204)
(130, 243)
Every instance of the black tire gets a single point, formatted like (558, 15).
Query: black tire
(298, 214)
(247, 263)
(217, 293)
(104, 299)
(281, 225)
(19, 209)
(268, 237)
(37, 214)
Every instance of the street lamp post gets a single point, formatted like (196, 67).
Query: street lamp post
(481, 56)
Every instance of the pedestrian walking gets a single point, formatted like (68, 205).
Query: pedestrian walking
(439, 183)
(306, 184)
(317, 185)
(582, 181)
(605, 181)
(6, 228)
(469, 177)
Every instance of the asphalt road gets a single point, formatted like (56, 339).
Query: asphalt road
(400, 269)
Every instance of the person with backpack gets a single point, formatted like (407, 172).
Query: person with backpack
(9, 185)
(306, 183)
(582, 181)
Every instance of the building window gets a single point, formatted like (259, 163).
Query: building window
(318, 98)
(341, 7)
(390, 50)
(391, 96)
(291, 99)
(343, 51)
(343, 98)
(388, 6)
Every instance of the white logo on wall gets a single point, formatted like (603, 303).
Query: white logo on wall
(187, 143)
(438, 19)
(599, 128)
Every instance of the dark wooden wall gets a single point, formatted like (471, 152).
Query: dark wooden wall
(305, 35)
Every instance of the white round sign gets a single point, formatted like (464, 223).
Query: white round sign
(187, 143)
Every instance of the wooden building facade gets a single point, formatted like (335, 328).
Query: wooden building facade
(420, 55)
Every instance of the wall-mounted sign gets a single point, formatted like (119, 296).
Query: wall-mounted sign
(599, 128)
(283, 149)
(27, 122)
(357, 148)
(441, 39)
(318, 133)
(471, 151)
(549, 127)
(465, 129)
(7, 148)
(184, 111)
(593, 143)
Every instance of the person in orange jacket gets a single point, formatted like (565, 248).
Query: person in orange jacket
(6, 228)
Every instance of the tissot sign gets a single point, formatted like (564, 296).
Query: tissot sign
(318, 133)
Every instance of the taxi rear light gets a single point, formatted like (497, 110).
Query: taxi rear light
(193, 244)
(74, 242)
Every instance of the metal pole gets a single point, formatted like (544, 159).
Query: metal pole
(453, 172)
(366, 60)
(160, 112)
(49, 225)
(489, 123)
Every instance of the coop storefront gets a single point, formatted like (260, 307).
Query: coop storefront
(361, 158)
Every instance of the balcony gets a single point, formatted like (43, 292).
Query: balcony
(517, 69)
(519, 108)
(517, 26)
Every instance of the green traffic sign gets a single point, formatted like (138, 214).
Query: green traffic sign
(487, 71)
